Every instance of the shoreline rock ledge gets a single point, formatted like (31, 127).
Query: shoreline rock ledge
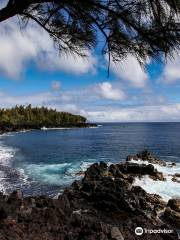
(104, 205)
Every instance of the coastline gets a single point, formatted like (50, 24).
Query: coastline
(104, 204)
(24, 128)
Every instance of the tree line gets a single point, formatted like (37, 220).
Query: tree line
(37, 117)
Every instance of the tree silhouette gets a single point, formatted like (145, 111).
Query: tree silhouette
(27, 117)
(143, 28)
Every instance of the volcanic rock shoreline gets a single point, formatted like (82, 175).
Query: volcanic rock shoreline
(25, 127)
(104, 205)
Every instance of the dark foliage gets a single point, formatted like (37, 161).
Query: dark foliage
(28, 117)
(143, 28)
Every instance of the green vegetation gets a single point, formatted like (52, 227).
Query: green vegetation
(21, 117)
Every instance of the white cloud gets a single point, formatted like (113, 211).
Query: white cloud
(36, 99)
(105, 90)
(55, 85)
(3, 3)
(171, 73)
(169, 112)
(61, 102)
(67, 62)
(15, 50)
(99, 112)
(18, 47)
(129, 70)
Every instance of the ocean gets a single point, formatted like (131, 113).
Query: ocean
(44, 162)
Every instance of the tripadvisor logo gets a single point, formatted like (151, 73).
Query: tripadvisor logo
(139, 231)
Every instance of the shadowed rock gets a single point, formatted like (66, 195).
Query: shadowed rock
(172, 217)
(135, 169)
(146, 156)
(174, 204)
(104, 205)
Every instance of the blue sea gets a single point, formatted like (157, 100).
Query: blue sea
(44, 162)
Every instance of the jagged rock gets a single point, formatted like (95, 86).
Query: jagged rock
(174, 204)
(131, 157)
(172, 217)
(140, 170)
(175, 179)
(172, 164)
(146, 156)
(64, 202)
(104, 205)
(116, 234)
(80, 173)
(158, 176)
(96, 171)
(115, 172)
(16, 195)
(76, 185)
(3, 214)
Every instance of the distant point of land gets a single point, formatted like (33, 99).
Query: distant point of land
(27, 117)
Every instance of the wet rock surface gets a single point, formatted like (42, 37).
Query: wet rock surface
(146, 156)
(176, 178)
(135, 169)
(104, 205)
(174, 204)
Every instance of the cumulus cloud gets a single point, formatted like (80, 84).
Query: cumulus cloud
(107, 91)
(169, 112)
(171, 73)
(35, 99)
(61, 102)
(19, 46)
(3, 3)
(129, 70)
(67, 62)
(100, 110)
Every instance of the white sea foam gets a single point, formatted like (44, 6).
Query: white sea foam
(9, 134)
(85, 165)
(60, 128)
(25, 130)
(6, 154)
(44, 167)
(166, 189)
(2, 176)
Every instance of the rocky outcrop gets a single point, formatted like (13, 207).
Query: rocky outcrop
(172, 213)
(139, 170)
(172, 217)
(104, 205)
(174, 204)
(176, 177)
(146, 156)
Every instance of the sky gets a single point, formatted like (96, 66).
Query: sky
(33, 72)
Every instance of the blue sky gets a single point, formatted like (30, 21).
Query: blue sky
(32, 71)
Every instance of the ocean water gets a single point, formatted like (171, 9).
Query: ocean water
(45, 162)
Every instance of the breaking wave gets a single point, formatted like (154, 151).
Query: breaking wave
(60, 174)
(166, 189)
(6, 155)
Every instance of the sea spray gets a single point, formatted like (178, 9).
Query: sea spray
(166, 189)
